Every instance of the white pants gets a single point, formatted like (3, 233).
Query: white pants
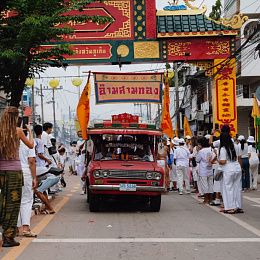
(24, 217)
(195, 173)
(173, 173)
(183, 174)
(232, 196)
(206, 183)
(254, 175)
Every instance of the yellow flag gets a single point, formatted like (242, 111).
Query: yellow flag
(166, 123)
(186, 127)
(255, 109)
(83, 110)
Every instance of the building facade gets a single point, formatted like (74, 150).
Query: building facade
(248, 73)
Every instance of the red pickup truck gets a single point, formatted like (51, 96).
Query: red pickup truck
(124, 164)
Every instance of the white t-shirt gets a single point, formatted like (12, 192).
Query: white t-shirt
(24, 154)
(223, 156)
(242, 153)
(39, 149)
(46, 139)
(182, 155)
(204, 158)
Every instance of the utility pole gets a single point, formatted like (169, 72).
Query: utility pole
(33, 106)
(70, 122)
(177, 107)
(53, 110)
(42, 103)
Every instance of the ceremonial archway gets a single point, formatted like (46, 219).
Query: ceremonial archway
(140, 34)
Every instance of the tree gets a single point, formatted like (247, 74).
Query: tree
(216, 11)
(25, 25)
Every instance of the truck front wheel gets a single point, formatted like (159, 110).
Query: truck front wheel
(155, 203)
(93, 202)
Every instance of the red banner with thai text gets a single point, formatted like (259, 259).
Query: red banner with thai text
(201, 48)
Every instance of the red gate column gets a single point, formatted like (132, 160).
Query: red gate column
(224, 94)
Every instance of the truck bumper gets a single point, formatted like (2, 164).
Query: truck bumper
(116, 188)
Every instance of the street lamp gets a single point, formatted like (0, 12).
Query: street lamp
(54, 83)
(77, 83)
(30, 83)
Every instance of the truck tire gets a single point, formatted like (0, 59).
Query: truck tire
(155, 203)
(93, 202)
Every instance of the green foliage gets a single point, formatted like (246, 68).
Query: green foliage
(216, 11)
(32, 24)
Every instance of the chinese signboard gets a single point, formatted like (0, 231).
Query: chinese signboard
(225, 94)
(199, 48)
(135, 87)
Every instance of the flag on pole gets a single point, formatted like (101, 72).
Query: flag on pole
(186, 127)
(83, 109)
(255, 113)
(255, 109)
(166, 122)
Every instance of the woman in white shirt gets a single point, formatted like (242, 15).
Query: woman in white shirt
(253, 161)
(231, 175)
(205, 157)
(244, 159)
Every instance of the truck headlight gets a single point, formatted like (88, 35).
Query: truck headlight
(105, 174)
(157, 176)
(149, 175)
(97, 174)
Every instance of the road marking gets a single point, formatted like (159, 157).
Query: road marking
(69, 195)
(234, 219)
(255, 200)
(147, 240)
(25, 242)
(256, 205)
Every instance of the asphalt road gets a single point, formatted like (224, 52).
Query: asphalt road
(183, 229)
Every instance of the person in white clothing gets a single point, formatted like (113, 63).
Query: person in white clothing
(244, 161)
(253, 161)
(80, 166)
(206, 157)
(232, 174)
(181, 159)
(173, 172)
(27, 158)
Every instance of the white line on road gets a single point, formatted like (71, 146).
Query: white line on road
(255, 200)
(235, 219)
(147, 240)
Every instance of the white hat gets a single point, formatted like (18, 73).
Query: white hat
(207, 136)
(175, 141)
(240, 138)
(251, 139)
(181, 141)
(187, 137)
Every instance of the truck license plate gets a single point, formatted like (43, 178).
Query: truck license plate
(127, 187)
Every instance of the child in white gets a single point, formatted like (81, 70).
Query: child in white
(205, 158)
(80, 168)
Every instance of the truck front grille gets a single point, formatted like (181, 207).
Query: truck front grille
(127, 174)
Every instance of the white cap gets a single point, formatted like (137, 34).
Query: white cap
(175, 141)
(240, 138)
(187, 137)
(207, 136)
(181, 141)
(251, 139)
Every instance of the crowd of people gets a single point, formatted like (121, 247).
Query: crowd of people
(218, 169)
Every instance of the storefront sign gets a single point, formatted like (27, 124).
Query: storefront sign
(135, 87)
(204, 48)
(225, 94)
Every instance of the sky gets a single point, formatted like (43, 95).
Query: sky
(67, 98)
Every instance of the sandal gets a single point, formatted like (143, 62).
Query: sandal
(29, 234)
(240, 211)
(46, 212)
(230, 211)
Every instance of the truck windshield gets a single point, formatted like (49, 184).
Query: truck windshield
(123, 147)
